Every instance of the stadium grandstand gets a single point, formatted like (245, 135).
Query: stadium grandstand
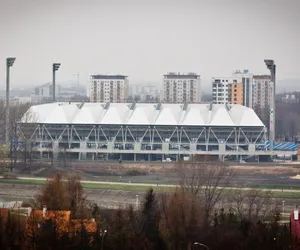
(139, 131)
(279, 146)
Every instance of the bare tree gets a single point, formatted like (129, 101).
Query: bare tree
(25, 127)
(182, 219)
(252, 204)
(4, 160)
(205, 180)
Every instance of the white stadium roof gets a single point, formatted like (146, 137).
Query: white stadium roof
(142, 114)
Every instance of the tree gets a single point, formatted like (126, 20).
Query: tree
(54, 194)
(75, 193)
(254, 204)
(207, 181)
(11, 230)
(4, 160)
(150, 219)
(182, 219)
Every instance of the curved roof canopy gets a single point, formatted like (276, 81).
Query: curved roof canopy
(143, 114)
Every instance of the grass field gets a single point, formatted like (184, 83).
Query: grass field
(276, 190)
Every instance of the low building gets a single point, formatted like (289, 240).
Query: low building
(46, 90)
(62, 220)
(295, 228)
(291, 98)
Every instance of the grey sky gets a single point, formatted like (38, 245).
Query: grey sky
(145, 39)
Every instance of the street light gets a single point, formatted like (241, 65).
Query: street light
(105, 231)
(137, 201)
(272, 67)
(201, 244)
(9, 63)
(55, 67)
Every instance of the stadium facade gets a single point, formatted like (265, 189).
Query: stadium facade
(139, 131)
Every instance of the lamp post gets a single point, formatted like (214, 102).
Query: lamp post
(272, 67)
(105, 231)
(137, 201)
(55, 67)
(200, 244)
(9, 63)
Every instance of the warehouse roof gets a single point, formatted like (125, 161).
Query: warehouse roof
(142, 114)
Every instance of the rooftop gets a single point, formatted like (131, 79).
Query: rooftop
(179, 75)
(267, 77)
(142, 114)
(108, 77)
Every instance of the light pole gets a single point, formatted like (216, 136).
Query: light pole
(9, 63)
(137, 201)
(55, 67)
(105, 231)
(272, 67)
(201, 244)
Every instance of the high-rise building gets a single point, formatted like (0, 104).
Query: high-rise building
(220, 89)
(236, 93)
(246, 78)
(263, 96)
(236, 89)
(109, 88)
(181, 88)
(262, 91)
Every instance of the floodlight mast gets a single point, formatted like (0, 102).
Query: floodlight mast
(272, 67)
(55, 67)
(9, 63)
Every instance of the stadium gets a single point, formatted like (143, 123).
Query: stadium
(143, 131)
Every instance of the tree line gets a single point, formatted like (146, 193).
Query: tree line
(202, 213)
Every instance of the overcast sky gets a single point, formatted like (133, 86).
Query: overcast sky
(145, 39)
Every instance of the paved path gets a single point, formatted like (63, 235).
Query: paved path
(154, 184)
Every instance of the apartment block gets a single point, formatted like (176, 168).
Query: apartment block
(220, 89)
(236, 89)
(109, 88)
(263, 97)
(246, 78)
(181, 88)
(236, 93)
(262, 91)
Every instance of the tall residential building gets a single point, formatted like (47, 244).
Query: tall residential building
(221, 89)
(236, 93)
(246, 78)
(109, 88)
(181, 88)
(262, 91)
(236, 89)
(263, 96)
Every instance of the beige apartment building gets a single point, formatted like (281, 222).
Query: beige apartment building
(181, 88)
(109, 88)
